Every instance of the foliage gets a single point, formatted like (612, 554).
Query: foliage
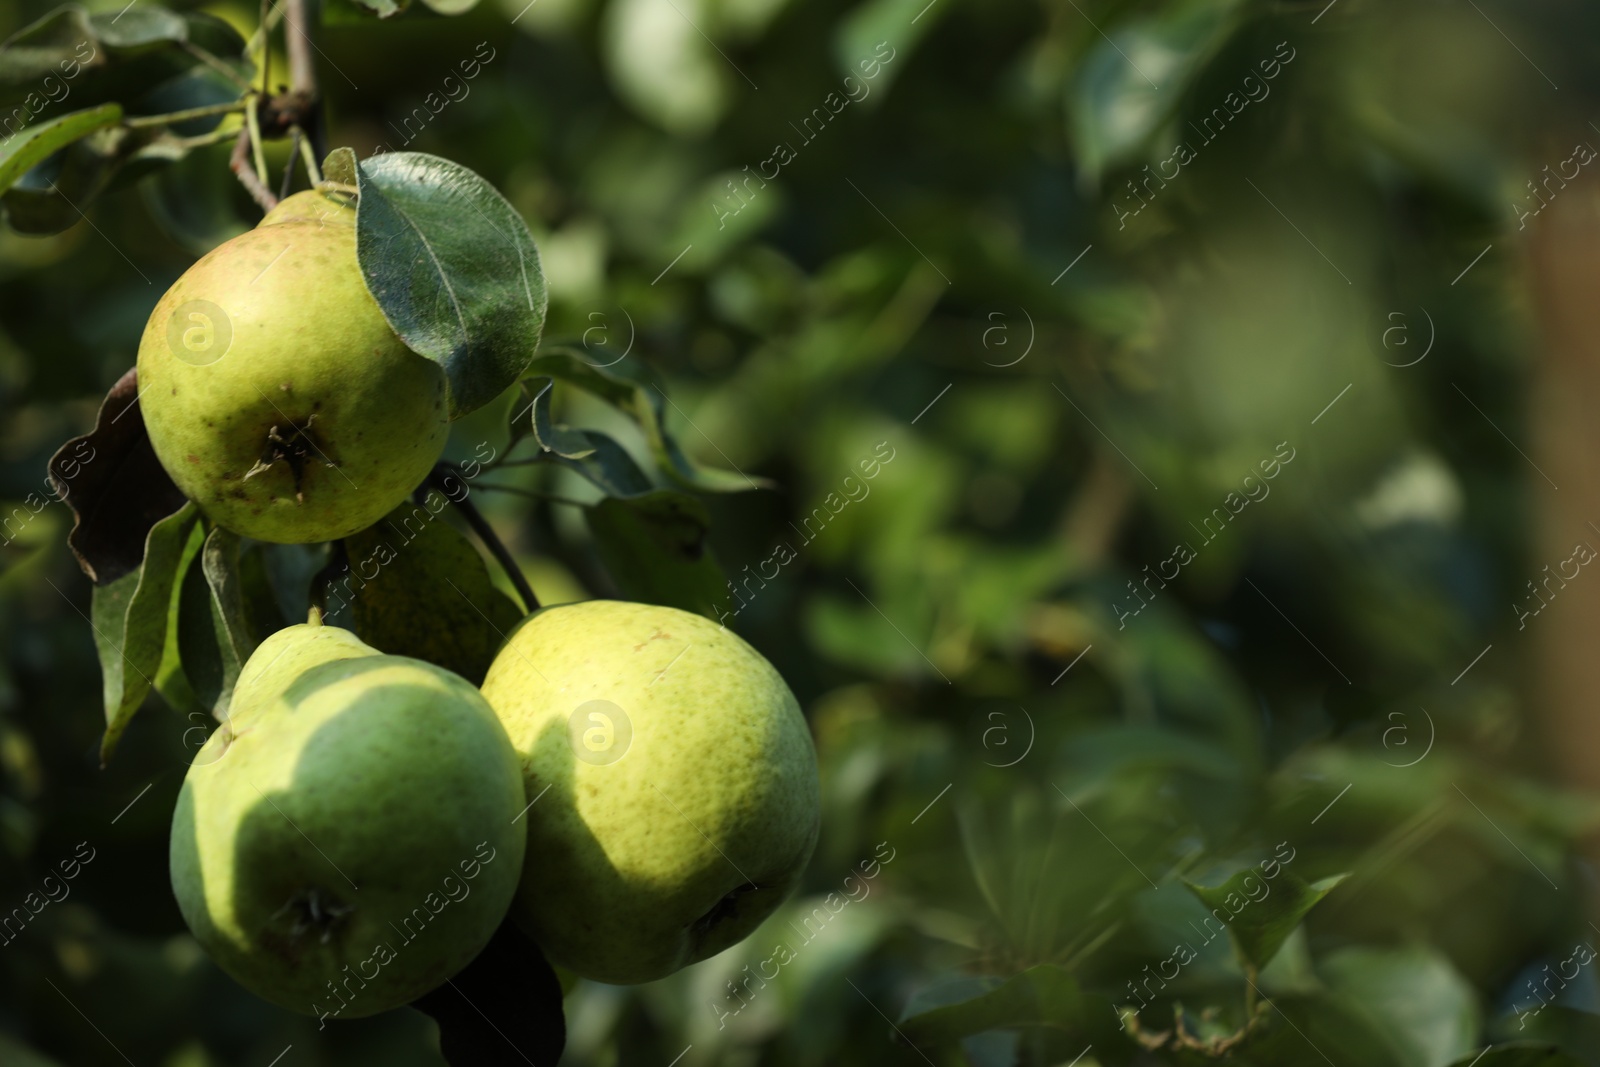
(929, 417)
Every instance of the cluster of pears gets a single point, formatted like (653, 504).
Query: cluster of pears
(633, 785)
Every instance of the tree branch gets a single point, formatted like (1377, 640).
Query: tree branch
(480, 526)
(296, 32)
(242, 168)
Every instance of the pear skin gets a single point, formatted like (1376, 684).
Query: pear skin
(275, 393)
(676, 783)
(346, 842)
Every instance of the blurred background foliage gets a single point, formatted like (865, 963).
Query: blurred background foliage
(1074, 368)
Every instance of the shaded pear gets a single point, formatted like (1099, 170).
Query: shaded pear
(345, 842)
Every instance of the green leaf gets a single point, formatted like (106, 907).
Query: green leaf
(414, 586)
(1260, 924)
(1045, 995)
(26, 150)
(450, 7)
(608, 466)
(562, 440)
(453, 269)
(1424, 1008)
(216, 628)
(130, 624)
(632, 387)
(113, 55)
(655, 547)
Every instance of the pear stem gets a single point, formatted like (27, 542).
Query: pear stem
(480, 526)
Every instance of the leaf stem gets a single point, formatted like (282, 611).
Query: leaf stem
(252, 114)
(171, 117)
(486, 534)
(309, 157)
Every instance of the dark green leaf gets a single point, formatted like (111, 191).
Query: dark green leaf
(1260, 924)
(55, 195)
(414, 586)
(632, 387)
(113, 55)
(655, 548)
(562, 440)
(26, 150)
(218, 620)
(503, 1010)
(130, 623)
(609, 466)
(454, 270)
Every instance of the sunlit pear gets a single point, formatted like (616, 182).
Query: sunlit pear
(673, 780)
(275, 393)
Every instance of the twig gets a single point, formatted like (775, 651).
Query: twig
(288, 169)
(296, 28)
(258, 39)
(239, 163)
(252, 115)
(480, 526)
(313, 172)
(174, 117)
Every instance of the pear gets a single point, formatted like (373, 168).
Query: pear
(347, 840)
(673, 782)
(274, 392)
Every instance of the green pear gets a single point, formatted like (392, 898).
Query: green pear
(673, 783)
(275, 393)
(347, 840)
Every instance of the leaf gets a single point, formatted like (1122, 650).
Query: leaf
(453, 269)
(503, 1010)
(26, 150)
(560, 439)
(608, 466)
(416, 587)
(1260, 926)
(115, 486)
(113, 55)
(1135, 78)
(1045, 995)
(130, 623)
(1413, 996)
(450, 7)
(217, 624)
(655, 547)
(634, 389)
